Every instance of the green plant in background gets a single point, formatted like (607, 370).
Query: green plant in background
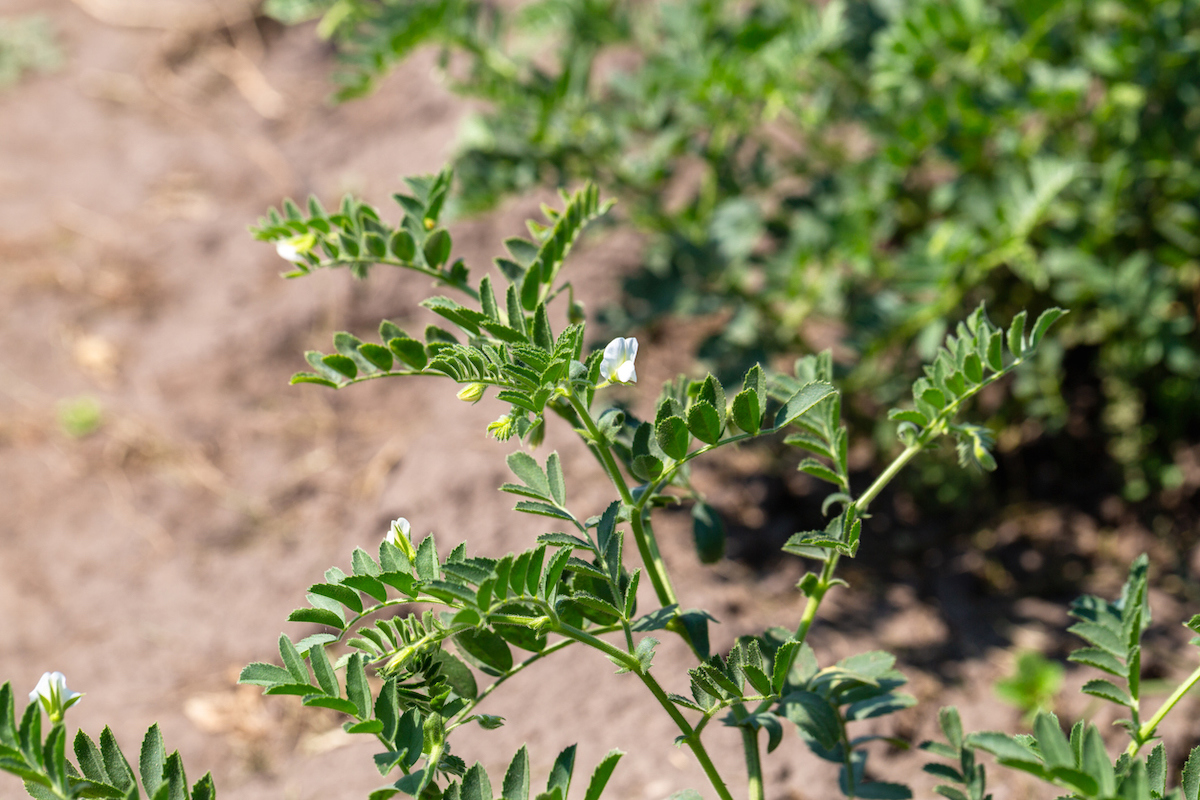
(27, 44)
(413, 639)
(1079, 763)
(872, 163)
(80, 416)
(1033, 685)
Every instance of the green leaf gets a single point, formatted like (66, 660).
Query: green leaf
(410, 351)
(542, 509)
(802, 402)
(746, 413)
(1101, 636)
(340, 364)
(323, 671)
(437, 252)
(818, 470)
(672, 435)
(525, 467)
(1095, 762)
(708, 531)
(1100, 659)
(115, 764)
(813, 714)
(554, 475)
(153, 760)
(260, 674)
(204, 789)
(704, 423)
(486, 648)
(342, 594)
(560, 773)
(320, 616)
(1003, 746)
(516, 778)
(475, 784)
(600, 775)
(176, 778)
(951, 725)
(713, 393)
(1190, 779)
(1156, 770)
(1056, 750)
(357, 690)
(91, 762)
(1044, 321)
(1107, 690)
(402, 246)
(1016, 335)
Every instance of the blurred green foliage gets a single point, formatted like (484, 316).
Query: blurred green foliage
(1033, 684)
(27, 44)
(865, 167)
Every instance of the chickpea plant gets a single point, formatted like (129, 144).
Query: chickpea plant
(484, 620)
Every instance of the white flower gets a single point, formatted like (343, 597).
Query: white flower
(54, 695)
(296, 248)
(617, 365)
(400, 527)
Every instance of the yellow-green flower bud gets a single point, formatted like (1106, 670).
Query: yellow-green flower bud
(472, 392)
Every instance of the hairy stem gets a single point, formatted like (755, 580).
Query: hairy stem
(630, 663)
(754, 777)
(643, 536)
(690, 736)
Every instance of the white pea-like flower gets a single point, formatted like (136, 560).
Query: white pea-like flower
(296, 248)
(400, 527)
(617, 365)
(54, 696)
(288, 251)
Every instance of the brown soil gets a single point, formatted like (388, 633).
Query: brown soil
(153, 558)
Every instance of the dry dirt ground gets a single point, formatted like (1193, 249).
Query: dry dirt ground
(153, 558)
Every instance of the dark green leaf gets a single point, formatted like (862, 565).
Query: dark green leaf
(560, 773)
(437, 252)
(319, 616)
(708, 531)
(486, 648)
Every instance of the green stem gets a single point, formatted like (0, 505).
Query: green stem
(554, 648)
(689, 735)
(814, 599)
(630, 663)
(1146, 731)
(892, 471)
(644, 537)
(754, 778)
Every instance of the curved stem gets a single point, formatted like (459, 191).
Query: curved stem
(1147, 730)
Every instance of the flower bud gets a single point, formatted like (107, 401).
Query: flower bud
(502, 428)
(576, 312)
(472, 392)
